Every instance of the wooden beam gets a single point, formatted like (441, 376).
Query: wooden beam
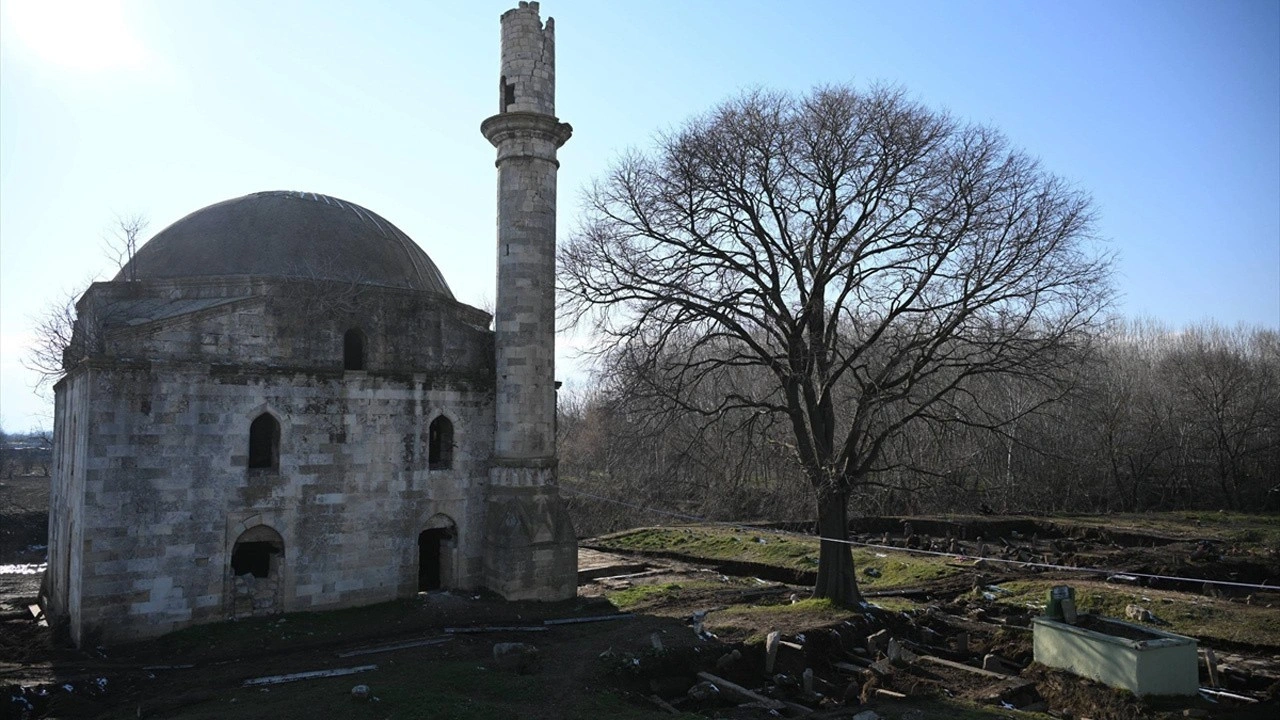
(310, 675)
(962, 666)
(739, 693)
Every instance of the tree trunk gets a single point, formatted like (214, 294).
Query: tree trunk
(836, 578)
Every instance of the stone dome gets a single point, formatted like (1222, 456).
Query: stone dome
(287, 235)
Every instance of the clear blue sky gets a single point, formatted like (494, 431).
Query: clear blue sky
(1167, 112)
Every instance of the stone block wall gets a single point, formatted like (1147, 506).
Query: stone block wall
(166, 490)
(285, 323)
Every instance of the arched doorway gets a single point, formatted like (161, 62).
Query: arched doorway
(257, 562)
(435, 553)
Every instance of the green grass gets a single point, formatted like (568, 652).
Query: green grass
(783, 551)
(638, 595)
(1233, 527)
(1200, 617)
(722, 544)
(808, 607)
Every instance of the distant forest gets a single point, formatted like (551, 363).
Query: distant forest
(1155, 420)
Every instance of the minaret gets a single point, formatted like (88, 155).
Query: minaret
(532, 549)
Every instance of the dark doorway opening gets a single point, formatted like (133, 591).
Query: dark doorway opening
(253, 558)
(430, 545)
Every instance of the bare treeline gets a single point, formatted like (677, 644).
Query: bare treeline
(1156, 420)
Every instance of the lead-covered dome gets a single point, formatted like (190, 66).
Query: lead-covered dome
(287, 235)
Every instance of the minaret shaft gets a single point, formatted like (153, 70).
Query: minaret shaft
(527, 134)
(532, 550)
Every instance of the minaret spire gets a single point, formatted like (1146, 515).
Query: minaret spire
(533, 549)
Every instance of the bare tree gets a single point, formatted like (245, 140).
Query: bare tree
(845, 261)
(57, 345)
(120, 243)
(53, 341)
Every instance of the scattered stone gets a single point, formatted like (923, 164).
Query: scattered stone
(868, 715)
(871, 572)
(703, 691)
(360, 692)
(520, 658)
(994, 663)
(728, 659)
(898, 654)
(770, 651)
(913, 714)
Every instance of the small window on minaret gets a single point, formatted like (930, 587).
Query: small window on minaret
(353, 350)
(508, 94)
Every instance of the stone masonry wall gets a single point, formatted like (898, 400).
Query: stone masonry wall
(290, 324)
(167, 490)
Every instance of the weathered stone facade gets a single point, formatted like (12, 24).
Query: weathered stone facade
(279, 406)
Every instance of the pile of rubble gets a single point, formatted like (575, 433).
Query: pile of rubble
(876, 665)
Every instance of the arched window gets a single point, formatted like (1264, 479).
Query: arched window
(440, 444)
(264, 443)
(353, 350)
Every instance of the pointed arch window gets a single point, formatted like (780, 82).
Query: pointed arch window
(264, 443)
(440, 444)
(353, 350)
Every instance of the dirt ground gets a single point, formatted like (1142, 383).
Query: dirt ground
(650, 622)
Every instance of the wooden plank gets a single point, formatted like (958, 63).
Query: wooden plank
(597, 618)
(890, 694)
(962, 666)
(394, 646)
(895, 592)
(740, 694)
(310, 675)
(1230, 696)
(495, 628)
